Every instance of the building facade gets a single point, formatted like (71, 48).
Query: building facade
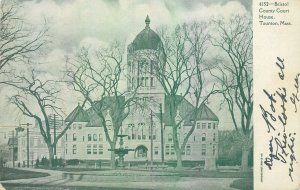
(37, 145)
(86, 138)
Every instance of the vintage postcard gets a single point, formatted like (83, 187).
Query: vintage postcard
(149, 94)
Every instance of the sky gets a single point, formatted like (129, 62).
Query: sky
(73, 23)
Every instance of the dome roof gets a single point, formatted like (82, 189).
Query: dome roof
(146, 39)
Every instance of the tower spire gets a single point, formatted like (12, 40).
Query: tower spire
(147, 21)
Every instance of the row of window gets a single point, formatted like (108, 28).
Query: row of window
(140, 132)
(208, 125)
(169, 149)
(94, 149)
(203, 137)
(76, 126)
(91, 149)
(90, 137)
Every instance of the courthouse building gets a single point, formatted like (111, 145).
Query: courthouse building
(86, 140)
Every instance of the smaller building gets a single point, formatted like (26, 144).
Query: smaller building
(37, 145)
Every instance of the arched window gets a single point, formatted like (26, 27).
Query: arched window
(129, 131)
(100, 137)
(203, 137)
(89, 137)
(141, 152)
(133, 132)
(169, 137)
(74, 137)
(94, 137)
(154, 132)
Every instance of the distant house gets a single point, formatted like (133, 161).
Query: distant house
(37, 146)
(86, 139)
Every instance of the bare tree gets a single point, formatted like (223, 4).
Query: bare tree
(17, 40)
(181, 73)
(98, 78)
(235, 76)
(37, 98)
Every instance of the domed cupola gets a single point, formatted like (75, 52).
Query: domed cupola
(146, 39)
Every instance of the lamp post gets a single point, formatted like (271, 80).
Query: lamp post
(151, 139)
(27, 124)
(161, 135)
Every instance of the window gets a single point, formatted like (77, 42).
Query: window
(214, 126)
(156, 150)
(203, 137)
(209, 125)
(143, 134)
(94, 137)
(131, 126)
(194, 138)
(79, 126)
(214, 137)
(188, 149)
(83, 138)
(74, 149)
(66, 137)
(214, 149)
(203, 125)
(172, 150)
(89, 149)
(203, 151)
(139, 133)
(167, 149)
(170, 137)
(146, 81)
(100, 148)
(89, 137)
(198, 126)
(154, 133)
(100, 137)
(66, 149)
(94, 149)
(151, 67)
(152, 82)
(74, 137)
(142, 81)
(129, 130)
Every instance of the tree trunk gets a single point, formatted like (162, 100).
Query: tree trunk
(51, 156)
(179, 160)
(113, 156)
(245, 155)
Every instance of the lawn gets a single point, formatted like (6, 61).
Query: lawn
(243, 184)
(12, 174)
(49, 187)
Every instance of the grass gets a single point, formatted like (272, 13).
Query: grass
(217, 174)
(243, 184)
(49, 187)
(12, 174)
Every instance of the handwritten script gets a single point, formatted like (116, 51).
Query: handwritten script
(282, 140)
